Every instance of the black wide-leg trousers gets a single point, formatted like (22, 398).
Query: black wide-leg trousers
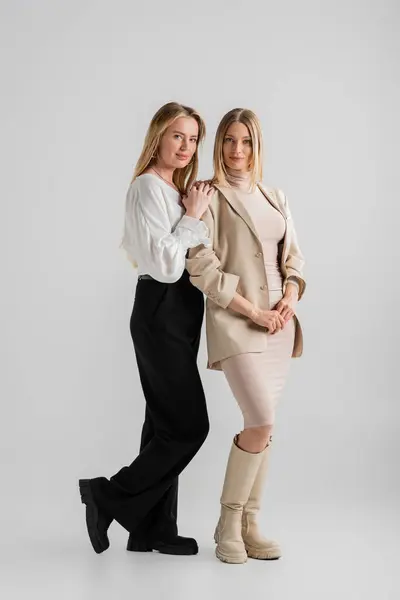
(165, 326)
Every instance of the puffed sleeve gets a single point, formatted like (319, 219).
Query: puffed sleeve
(148, 237)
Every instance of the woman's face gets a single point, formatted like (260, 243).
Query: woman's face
(178, 144)
(237, 147)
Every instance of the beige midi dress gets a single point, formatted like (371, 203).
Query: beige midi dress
(257, 378)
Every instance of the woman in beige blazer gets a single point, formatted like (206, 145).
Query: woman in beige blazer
(252, 275)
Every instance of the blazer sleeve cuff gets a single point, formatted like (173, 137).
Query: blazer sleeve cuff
(226, 292)
(301, 284)
(293, 279)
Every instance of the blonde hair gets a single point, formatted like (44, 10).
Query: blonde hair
(250, 119)
(164, 117)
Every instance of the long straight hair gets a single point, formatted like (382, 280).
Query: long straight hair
(164, 117)
(250, 119)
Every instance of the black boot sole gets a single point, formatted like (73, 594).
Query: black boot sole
(99, 542)
(161, 547)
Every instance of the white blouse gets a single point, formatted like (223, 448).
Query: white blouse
(157, 233)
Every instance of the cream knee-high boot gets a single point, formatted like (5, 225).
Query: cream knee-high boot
(257, 546)
(240, 474)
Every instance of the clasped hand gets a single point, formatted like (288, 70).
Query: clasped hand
(276, 319)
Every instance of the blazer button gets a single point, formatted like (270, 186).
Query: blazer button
(258, 254)
(263, 287)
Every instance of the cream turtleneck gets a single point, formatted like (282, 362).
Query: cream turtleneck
(238, 179)
(267, 218)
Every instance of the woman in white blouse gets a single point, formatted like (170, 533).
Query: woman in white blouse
(162, 221)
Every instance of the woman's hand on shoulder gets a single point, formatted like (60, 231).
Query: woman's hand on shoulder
(199, 181)
(198, 199)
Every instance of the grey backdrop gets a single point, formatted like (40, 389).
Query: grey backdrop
(80, 82)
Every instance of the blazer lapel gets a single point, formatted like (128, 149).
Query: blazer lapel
(286, 237)
(272, 200)
(238, 207)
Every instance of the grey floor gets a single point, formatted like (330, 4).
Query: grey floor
(328, 553)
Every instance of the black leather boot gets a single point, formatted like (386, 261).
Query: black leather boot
(176, 545)
(159, 530)
(97, 522)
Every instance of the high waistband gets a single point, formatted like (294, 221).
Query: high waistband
(184, 276)
(145, 277)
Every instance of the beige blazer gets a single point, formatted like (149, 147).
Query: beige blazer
(234, 263)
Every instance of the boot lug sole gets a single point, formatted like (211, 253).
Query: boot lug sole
(259, 555)
(229, 560)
